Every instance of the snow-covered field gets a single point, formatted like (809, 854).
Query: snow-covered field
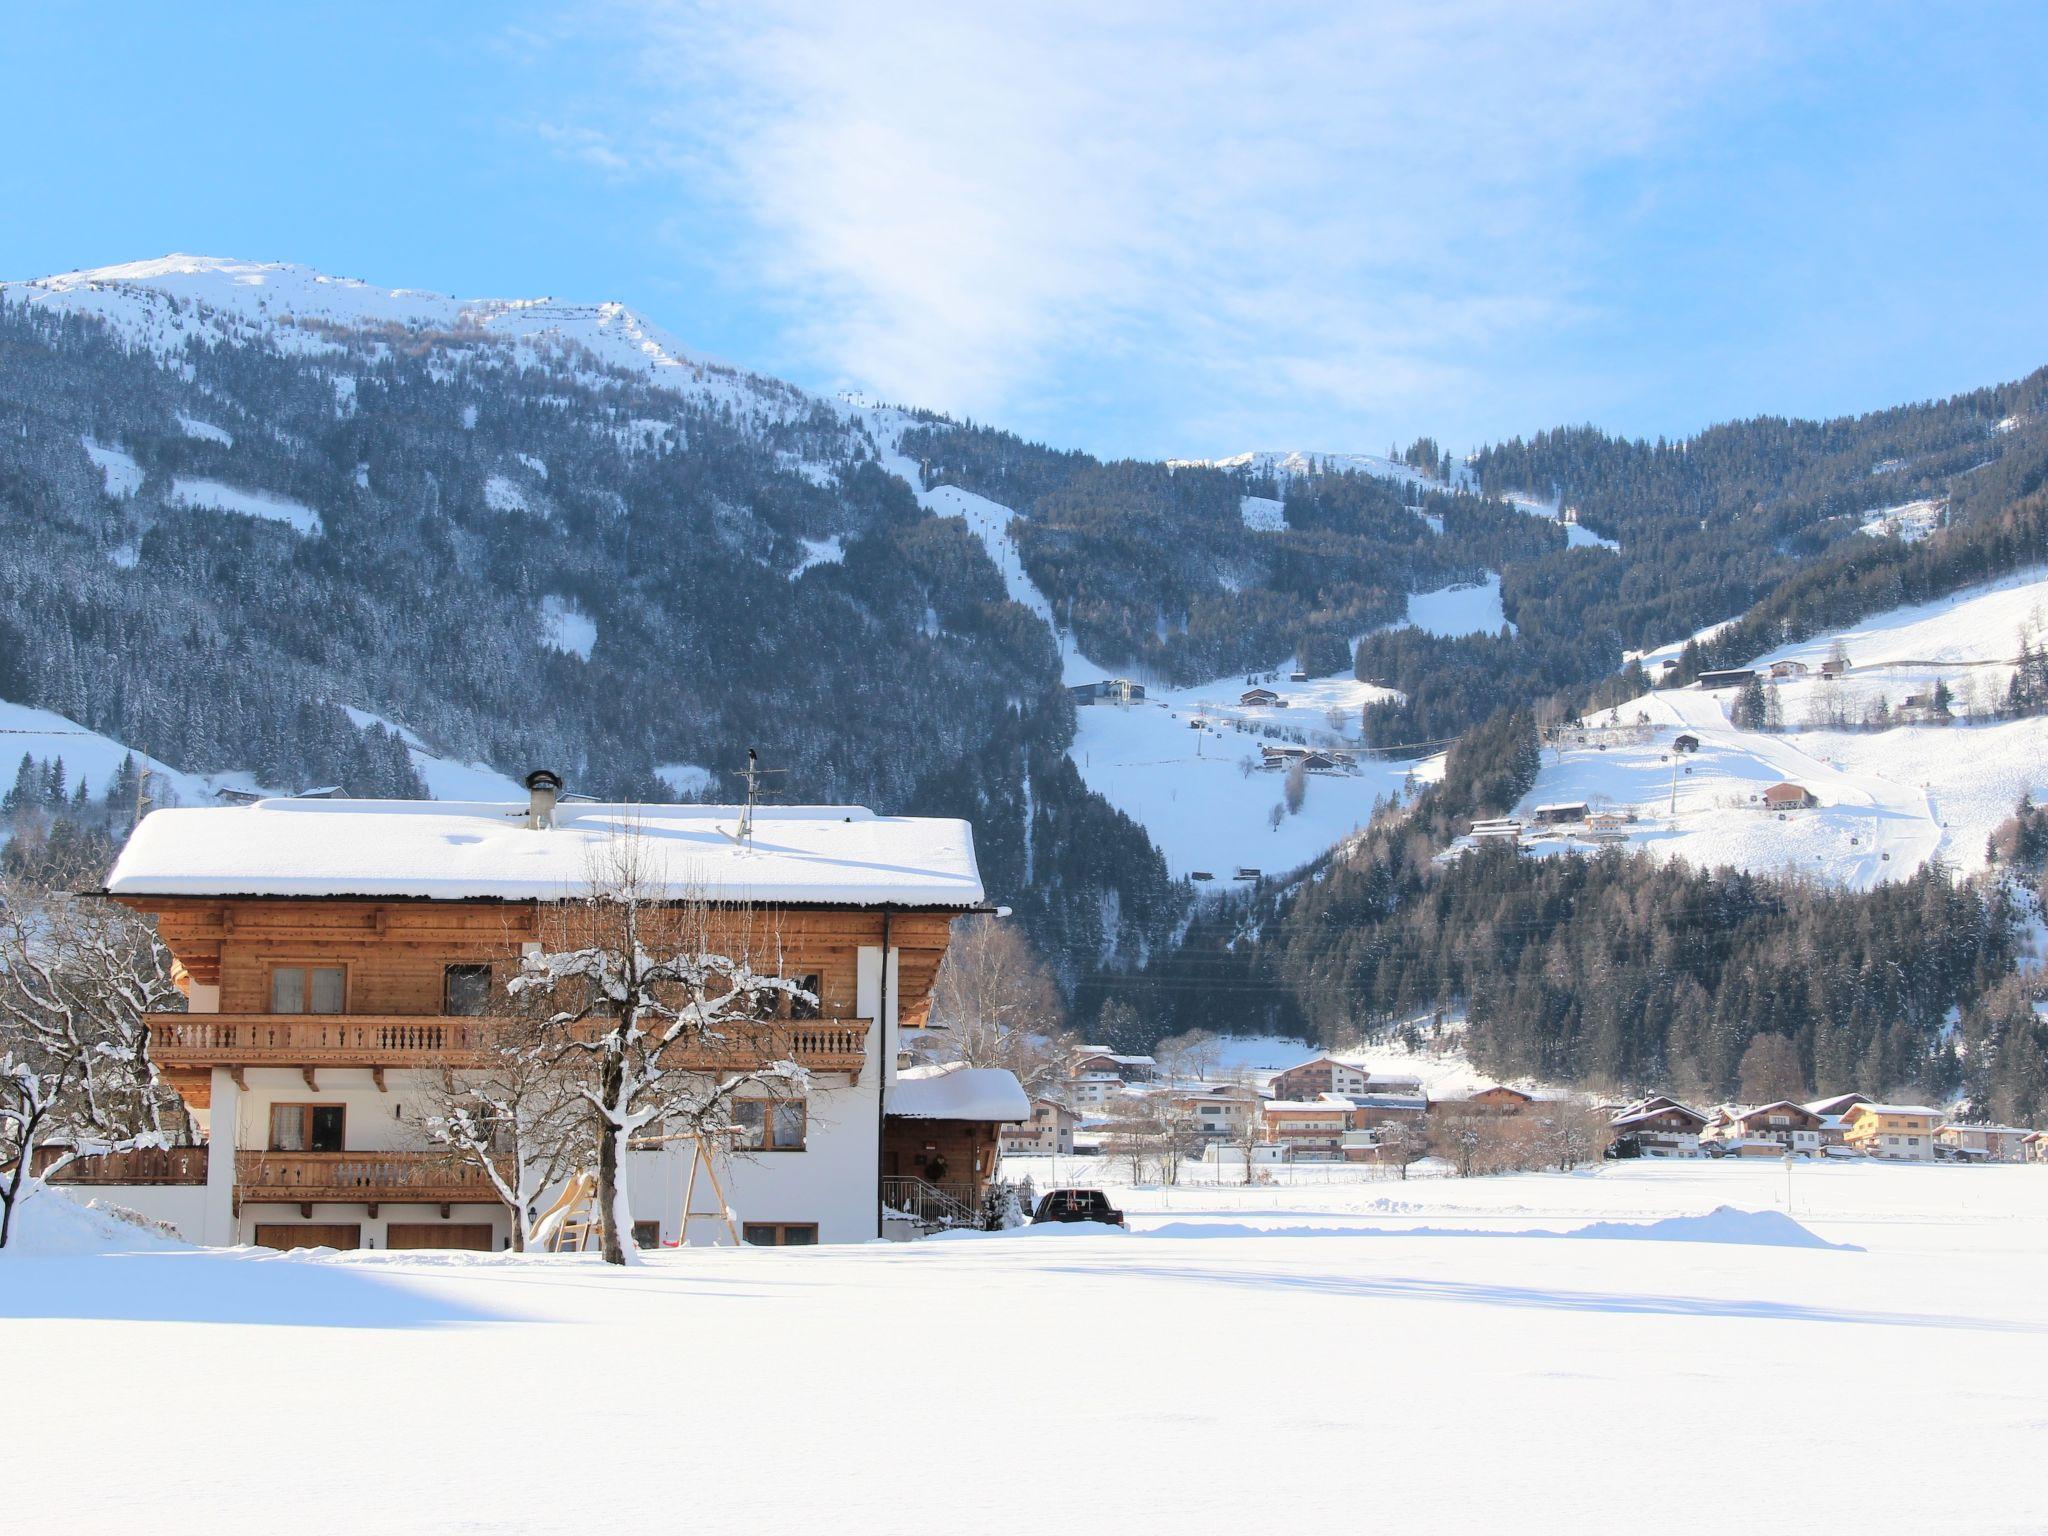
(1454, 611)
(1539, 1353)
(1888, 800)
(26, 731)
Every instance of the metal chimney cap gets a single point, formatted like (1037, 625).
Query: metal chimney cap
(543, 778)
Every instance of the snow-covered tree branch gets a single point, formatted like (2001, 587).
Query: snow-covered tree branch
(77, 977)
(660, 1008)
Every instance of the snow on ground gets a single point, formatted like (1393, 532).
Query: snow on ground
(445, 777)
(1187, 785)
(1472, 1369)
(686, 778)
(1888, 799)
(538, 466)
(565, 627)
(1655, 660)
(205, 431)
(1910, 521)
(44, 735)
(830, 551)
(122, 474)
(503, 495)
(1464, 610)
(1190, 787)
(1292, 464)
(1263, 514)
(161, 304)
(1444, 1074)
(1575, 537)
(218, 496)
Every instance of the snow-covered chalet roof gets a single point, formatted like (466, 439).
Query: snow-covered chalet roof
(841, 855)
(953, 1092)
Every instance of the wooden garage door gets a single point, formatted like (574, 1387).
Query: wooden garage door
(444, 1234)
(308, 1234)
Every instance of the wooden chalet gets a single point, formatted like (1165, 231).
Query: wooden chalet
(337, 955)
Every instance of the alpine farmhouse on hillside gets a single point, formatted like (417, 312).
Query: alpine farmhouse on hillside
(338, 954)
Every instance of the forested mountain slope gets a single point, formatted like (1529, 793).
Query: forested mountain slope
(253, 514)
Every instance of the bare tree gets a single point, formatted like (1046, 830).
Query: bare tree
(78, 975)
(1572, 1134)
(1248, 1125)
(518, 1113)
(1400, 1144)
(998, 1006)
(1295, 787)
(635, 979)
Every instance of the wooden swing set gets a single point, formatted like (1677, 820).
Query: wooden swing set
(574, 1223)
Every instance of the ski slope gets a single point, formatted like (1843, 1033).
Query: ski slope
(1196, 789)
(44, 735)
(1888, 800)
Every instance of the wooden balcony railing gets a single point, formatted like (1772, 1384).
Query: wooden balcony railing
(312, 1039)
(188, 1040)
(154, 1165)
(360, 1177)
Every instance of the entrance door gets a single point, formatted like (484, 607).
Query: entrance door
(308, 1234)
(441, 1234)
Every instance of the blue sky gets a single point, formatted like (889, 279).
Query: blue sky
(1166, 230)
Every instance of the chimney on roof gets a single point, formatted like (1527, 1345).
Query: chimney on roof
(544, 788)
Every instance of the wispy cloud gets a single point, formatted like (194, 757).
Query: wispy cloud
(1281, 218)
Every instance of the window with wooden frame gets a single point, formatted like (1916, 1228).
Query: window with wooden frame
(780, 1234)
(308, 1127)
(466, 990)
(770, 1125)
(308, 989)
(646, 1234)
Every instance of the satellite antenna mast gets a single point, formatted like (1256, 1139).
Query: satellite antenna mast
(754, 773)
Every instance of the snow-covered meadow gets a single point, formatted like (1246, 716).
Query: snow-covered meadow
(1888, 800)
(1533, 1353)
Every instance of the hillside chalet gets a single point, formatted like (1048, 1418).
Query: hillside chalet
(1258, 698)
(1789, 797)
(1725, 677)
(1658, 1126)
(338, 955)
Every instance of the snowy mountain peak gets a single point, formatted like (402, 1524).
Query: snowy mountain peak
(160, 304)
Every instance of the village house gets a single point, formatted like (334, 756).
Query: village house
(1784, 669)
(1049, 1131)
(1219, 1112)
(1323, 1074)
(338, 956)
(1900, 1132)
(1310, 1129)
(1984, 1143)
(1090, 1092)
(1370, 1111)
(1659, 1127)
(1788, 797)
(1498, 1100)
(1117, 690)
(1125, 1068)
(1784, 1126)
(1258, 698)
(2034, 1148)
(1559, 814)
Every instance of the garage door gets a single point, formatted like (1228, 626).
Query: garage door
(308, 1234)
(443, 1234)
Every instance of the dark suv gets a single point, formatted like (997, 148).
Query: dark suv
(1077, 1205)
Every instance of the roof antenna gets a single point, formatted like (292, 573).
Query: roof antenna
(744, 838)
